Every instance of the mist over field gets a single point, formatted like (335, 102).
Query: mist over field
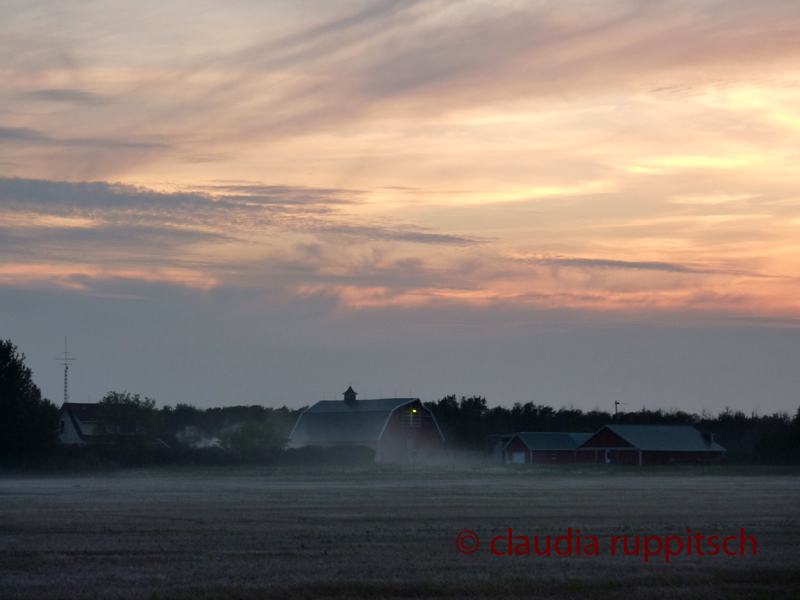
(391, 532)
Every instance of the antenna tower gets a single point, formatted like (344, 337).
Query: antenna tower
(65, 361)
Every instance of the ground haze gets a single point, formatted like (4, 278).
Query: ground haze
(389, 532)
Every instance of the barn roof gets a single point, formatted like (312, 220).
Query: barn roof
(665, 438)
(551, 441)
(360, 406)
(333, 421)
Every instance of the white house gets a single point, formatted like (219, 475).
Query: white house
(78, 421)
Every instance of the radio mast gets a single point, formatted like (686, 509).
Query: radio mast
(65, 361)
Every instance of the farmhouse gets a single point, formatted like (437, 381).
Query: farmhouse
(398, 429)
(649, 445)
(77, 423)
(543, 447)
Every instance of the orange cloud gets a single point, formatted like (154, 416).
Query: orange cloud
(77, 276)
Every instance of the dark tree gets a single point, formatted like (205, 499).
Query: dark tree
(128, 417)
(28, 422)
(781, 446)
(463, 423)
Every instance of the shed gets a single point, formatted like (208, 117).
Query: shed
(649, 445)
(397, 429)
(495, 443)
(543, 447)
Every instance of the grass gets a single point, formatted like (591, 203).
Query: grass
(773, 584)
(389, 532)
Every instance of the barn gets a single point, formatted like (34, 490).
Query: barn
(543, 447)
(398, 429)
(649, 445)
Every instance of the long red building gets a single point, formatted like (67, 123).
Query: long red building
(649, 445)
(543, 447)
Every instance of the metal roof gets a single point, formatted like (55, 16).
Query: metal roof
(551, 441)
(332, 421)
(338, 406)
(665, 438)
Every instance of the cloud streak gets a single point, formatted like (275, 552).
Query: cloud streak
(32, 136)
(601, 263)
(50, 225)
(70, 96)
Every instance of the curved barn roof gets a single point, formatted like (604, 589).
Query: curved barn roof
(334, 421)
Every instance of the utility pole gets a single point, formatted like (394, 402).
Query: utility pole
(616, 404)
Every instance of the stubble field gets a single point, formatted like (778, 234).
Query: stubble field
(385, 532)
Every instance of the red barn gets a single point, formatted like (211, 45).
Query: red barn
(649, 445)
(398, 429)
(543, 447)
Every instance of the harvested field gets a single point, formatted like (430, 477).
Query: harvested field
(391, 533)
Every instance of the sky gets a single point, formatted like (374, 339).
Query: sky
(260, 202)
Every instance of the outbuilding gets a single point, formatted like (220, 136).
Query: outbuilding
(543, 447)
(398, 429)
(649, 445)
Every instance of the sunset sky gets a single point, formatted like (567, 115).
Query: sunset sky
(260, 202)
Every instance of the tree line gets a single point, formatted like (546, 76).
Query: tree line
(467, 424)
(132, 431)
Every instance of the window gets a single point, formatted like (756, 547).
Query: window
(411, 417)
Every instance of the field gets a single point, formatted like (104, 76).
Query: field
(390, 532)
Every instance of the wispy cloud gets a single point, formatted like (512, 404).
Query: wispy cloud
(254, 206)
(59, 223)
(34, 136)
(64, 95)
(601, 263)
